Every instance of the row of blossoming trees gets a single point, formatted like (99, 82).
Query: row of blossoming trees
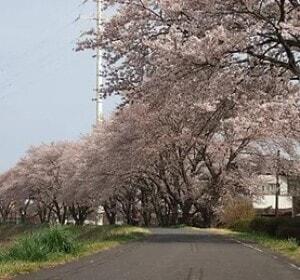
(210, 90)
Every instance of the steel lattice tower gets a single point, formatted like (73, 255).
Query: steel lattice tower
(99, 64)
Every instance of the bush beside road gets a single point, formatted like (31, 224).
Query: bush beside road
(26, 249)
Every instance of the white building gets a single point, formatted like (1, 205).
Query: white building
(266, 198)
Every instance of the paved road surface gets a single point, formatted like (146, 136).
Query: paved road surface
(176, 254)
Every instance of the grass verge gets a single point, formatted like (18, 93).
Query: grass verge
(28, 249)
(286, 247)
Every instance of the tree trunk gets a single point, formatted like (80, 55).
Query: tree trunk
(110, 209)
(60, 211)
(79, 213)
(186, 212)
(146, 208)
(5, 210)
(174, 214)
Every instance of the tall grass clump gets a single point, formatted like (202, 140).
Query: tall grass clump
(40, 246)
(237, 214)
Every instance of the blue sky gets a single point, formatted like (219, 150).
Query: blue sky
(45, 87)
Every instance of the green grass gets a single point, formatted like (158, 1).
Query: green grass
(28, 249)
(41, 245)
(9, 233)
(286, 247)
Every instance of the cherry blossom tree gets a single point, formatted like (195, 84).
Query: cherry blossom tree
(205, 85)
(192, 159)
(145, 36)
(79, 193)
(40, 173)
(208, 87)
(6, 200)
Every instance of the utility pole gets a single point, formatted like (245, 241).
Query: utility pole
(277, 184)
(99, 63)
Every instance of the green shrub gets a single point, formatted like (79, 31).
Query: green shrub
(288, 232)
(58, 240)
(241, 225)
(266, 225)
(28, 250)
(282, 227)
(39, 246)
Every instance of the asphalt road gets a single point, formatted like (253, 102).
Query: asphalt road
(177, 254)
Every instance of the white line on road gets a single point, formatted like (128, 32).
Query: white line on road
(261, 251)
(252, 247)
(294, 266)
(248, 245)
